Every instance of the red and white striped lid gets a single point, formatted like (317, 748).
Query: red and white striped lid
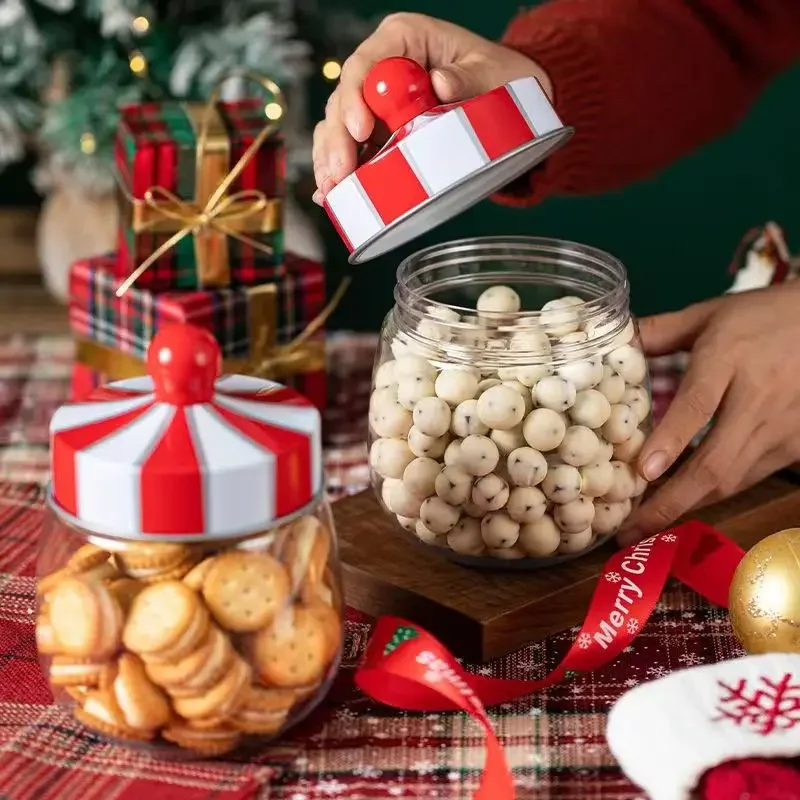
(439, 160)
(182, 454)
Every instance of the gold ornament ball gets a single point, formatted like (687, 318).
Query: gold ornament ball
(764, 599)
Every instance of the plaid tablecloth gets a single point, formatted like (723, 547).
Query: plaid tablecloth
(351, 748)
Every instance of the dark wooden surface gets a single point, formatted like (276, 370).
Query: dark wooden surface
(482, 615)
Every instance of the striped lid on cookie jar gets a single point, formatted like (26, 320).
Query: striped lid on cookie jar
(184, 454)
(440, 159)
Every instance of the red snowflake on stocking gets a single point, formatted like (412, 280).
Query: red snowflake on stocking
(768, 707)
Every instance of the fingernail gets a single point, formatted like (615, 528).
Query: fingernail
(318, 197)
(655, 465)
(353, 124)
(629, 537)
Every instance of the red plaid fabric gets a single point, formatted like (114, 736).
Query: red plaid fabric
(351, 748)
(156, 146)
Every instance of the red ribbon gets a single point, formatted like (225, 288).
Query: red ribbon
(407, 668)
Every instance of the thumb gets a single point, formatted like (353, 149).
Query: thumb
(664, 334)
(457, 82)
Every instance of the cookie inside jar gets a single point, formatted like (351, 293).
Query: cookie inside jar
(510, 401)
(178, 626)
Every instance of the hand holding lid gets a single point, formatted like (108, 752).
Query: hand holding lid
(184, 362)
(397, 90)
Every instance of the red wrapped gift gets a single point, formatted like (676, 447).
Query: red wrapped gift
(172, 159)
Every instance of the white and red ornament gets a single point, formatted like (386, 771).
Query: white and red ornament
(183, 454)
(762, 259)
(669, 733)
(440, 159)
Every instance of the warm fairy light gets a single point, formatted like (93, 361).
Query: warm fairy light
(137, 63)
(331, 70)
(88, 143)
(273, 111)
(140, 24)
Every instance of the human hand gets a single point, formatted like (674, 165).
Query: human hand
(745, 371)
(462, 65)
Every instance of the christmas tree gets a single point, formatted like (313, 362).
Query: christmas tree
(67, 65)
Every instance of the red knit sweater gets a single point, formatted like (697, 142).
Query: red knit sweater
(644, 82)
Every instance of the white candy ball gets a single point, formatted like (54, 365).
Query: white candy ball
(386, 488)
(530, 376)
(499, 300)
(575, 542)
(540, 538)
(591, 408)
(624, 483)
(641, 486)
(452, 453)
(597, 478)
(438, 516)
(465, 538)
(508, 441)
(407, 523)
(487, 383)
(466, 420)
(443, 313)
(621, 424)
(453, 485)
(526, 504)
(562, 483)
(420, 475)
(544, 429)
(424, 446)
(637, 398)
(425, 534)
(432, 416)
(601, 328)
(514, 553)
(411, 389)
(385, 396)
(411, 366)
(530, 341)
(606, 450)
(630, 449)
(478, 455)
(499, 530)
(575, 516)
(526, 466)
(582, 374)
(554, 393)
(455, 386)
(578, 337)
(613, 387)
(501, 407)
(390, 457)
(507, 373)
(608, 517)
(523, 391)
(561, 316)
(402, 501)
(490, 492)
(390, 420)
(384, 375)
(629, 362)
(399, 348)
(579, 446)
(471, 510)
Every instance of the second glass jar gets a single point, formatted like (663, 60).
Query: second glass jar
(510, 401)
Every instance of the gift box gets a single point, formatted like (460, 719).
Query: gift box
(257, 327)
(202, 187)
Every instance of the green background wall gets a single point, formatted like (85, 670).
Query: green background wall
(676, 233)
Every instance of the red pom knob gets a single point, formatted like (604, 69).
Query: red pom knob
(397, 90)
(184, 362)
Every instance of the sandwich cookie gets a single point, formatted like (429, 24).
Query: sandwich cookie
(144, 707)
(99, 710)
(264, 711)
(220, 700)
(153, 563)
(196, 576)
(307, 551)
(205, 741)
(84, 672)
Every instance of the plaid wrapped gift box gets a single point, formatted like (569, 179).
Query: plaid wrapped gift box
(114, 332)
(157, 146)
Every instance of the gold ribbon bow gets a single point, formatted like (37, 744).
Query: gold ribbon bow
(221, 209)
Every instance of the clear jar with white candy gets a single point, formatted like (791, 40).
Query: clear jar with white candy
(510, 401)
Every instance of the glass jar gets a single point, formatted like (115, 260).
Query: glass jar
(189, 595)
(510, 401)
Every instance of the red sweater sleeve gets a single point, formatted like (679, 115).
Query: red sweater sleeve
(644, 82)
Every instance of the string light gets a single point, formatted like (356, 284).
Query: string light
(273, 111)
(331, 70)
(138, 63)
(88, 143)
(140, 25)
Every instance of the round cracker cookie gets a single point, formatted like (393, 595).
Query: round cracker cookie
(166, 620)
(99, 710)
(87, 557)
(328, 616)
(292, 651)
(307, 551)
(196, 576)
(46, 641)
(264, 711)
(125, 590)
(244, 591)
(207, 741)
(147, 555)
(143, 705)
(222, 699)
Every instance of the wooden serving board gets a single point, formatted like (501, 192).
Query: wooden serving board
(482, 615)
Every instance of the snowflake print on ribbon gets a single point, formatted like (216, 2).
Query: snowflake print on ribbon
(632, 625)
(402, 634)
(669, 537)
(613, 577)
(767, 707)
(585, 641)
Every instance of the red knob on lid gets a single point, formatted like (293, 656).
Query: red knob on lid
(184, 362)
(397, 90)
